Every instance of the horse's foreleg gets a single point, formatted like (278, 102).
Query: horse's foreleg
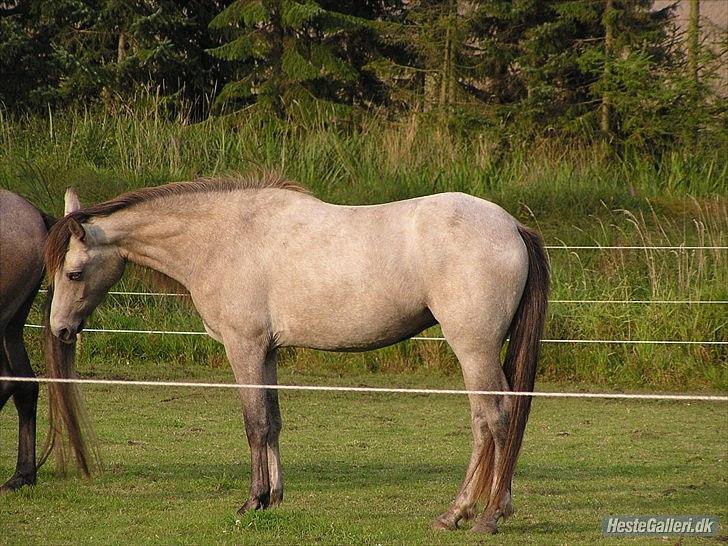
(275, 471)
(25, 396)
(248, 363)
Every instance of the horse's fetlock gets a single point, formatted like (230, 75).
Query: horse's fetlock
(506, 505)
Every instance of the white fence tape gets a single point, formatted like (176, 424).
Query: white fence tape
(599, 247)
(421, 338)
(381, 390)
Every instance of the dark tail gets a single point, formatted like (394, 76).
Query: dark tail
(520, 363)
(70, 434)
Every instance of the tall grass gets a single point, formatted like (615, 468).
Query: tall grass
(573, 194)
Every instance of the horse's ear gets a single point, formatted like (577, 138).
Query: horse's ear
(76, 229)
(71, 202)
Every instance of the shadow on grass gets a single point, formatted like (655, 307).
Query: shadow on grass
(344, 475)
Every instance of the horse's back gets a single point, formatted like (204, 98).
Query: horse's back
(22, 233)
(353, 277)
(447, 216)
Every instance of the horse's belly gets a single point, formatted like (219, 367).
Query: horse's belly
(353, 332)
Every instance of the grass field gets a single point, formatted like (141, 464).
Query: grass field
(377, 469)
(572, 194)
(366, 469)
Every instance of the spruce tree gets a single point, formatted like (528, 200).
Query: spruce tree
(286, 54)
(70, 52)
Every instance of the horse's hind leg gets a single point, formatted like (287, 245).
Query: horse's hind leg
(489, 420)
(275, 423)
(25, 396)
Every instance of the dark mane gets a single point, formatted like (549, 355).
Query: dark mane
(59, 236)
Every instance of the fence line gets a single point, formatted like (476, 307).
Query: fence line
(381, 390)
(608, 341)
(423, 338)
(115, 293)
(647, 302)
(599, 247)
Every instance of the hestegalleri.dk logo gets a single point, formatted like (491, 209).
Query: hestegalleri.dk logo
(660, 525)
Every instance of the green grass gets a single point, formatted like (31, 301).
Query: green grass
(572, 194)
(363, 469)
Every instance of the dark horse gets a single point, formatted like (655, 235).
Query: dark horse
(23, 231)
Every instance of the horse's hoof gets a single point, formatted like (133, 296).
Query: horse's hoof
(444, 523)
(250, 504)
(485, 526)
(255, 503)
(15, 483)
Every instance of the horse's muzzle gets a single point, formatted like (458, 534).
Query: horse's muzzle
(67, 335)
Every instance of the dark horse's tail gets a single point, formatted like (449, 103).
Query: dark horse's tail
(70, 434)
(520, 365)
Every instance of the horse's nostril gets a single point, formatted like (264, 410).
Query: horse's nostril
(64, 334)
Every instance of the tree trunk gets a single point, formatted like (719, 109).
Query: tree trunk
(694, 40)
(694, 61)
(605, 117)
(444, 79)
(276, 57)
(452, 76)
(431, 91)
(121, 47)
(447, 81)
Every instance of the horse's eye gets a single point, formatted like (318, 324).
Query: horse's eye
(74, 276)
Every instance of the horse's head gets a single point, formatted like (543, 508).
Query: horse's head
(82, 266)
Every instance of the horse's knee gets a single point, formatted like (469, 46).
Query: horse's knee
(7, 389)
(25, 396)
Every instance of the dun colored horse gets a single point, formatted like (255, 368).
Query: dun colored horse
(23, 231)
(267, 265)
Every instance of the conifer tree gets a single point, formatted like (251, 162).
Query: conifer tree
(80, 51)
(285, 52)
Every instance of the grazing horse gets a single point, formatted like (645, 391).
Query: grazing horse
(267, 265)
(23, 231)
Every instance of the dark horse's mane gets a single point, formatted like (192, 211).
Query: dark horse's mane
(60, 234)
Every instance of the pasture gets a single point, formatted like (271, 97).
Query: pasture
(364, 469)
(377, 469)
(574, 195)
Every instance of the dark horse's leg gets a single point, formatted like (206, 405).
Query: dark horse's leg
(7, 388)
(250, 362)
(14, 362)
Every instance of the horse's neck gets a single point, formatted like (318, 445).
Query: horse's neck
(158, 237)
